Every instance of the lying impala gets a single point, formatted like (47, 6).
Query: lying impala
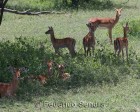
(9, 89)
(108, 23)
(62, 43)
(42, 78)
(63, 75)
(89, 40)
(121, 43)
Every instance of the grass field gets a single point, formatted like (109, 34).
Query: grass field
(101, 83)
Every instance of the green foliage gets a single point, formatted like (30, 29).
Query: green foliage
(84, 70)
(37, 5)
(134, 27)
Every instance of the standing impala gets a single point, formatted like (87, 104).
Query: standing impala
(89, 40)
(9, 89)
(121, 43)
(62, 43)
(108, 23)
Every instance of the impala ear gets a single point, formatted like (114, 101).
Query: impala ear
(88, 25)
(115, 8)
(120, 8)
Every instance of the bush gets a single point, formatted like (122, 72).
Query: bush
(101, 68)
(134, 27)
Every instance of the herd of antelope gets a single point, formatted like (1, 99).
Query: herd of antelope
(9, 89)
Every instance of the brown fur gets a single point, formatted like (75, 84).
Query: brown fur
(108, 23)
(62, 43)
(9, 89)
(121, 43)
(89, 40)
(63, 75)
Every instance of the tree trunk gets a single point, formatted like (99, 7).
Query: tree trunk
(2, 5)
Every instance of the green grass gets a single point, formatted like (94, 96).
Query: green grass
(103, 79)
(107, 98)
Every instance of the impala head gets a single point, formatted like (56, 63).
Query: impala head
(61, 67)
(91, 26)
(118, 12)
(126, 27)
(50, 31)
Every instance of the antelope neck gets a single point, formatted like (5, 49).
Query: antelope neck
(125, 34)
(52, 36)
(14, 83)
(91, 32)
(117, 18)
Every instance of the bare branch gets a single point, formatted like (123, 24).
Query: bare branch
(27, 12)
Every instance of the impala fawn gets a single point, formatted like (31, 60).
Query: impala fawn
(42, 78)
(89, 40)
(49, 67)
(62, 43)
(64, 76)
(121, 43)
(9, 89)
(108, 23)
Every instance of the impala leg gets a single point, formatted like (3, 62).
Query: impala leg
(88, 51)
(56, 50)
(123, 54)
(115, 52)
(93, 48)
(73, 51)
(127, 53)
(110, 35)
(85, 50)
(119, 52)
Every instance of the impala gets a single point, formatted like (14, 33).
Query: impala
(89, 40)
(49, 67)
(108, 23)
(41, 78)
(122, 42)
(9, 89)
(62, 43)
(63, 75)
